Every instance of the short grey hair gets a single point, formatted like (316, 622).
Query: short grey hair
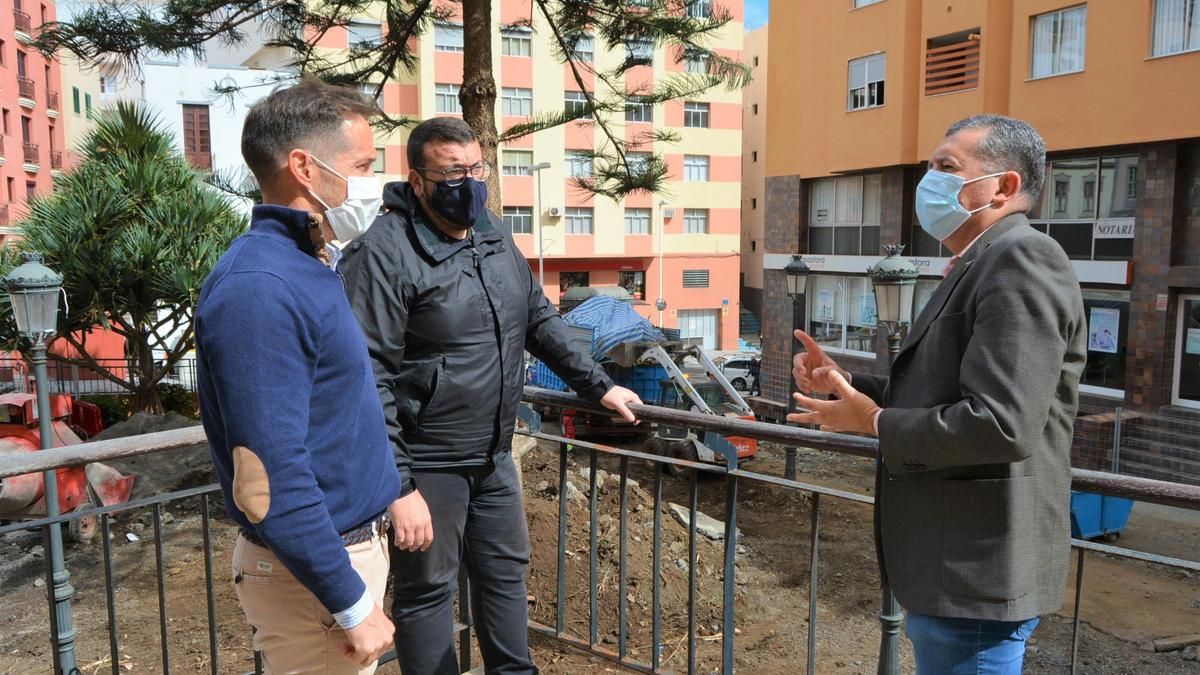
(1009, 145)
(436, 130)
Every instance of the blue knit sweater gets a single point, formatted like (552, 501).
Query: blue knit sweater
(285, 380)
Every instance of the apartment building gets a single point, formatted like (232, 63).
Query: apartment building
(1110, 87)
(31, 111)
(754, 163)
(681, 246)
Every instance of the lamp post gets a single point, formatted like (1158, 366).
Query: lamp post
(797, 286)
(33, 291)
(894, 280)
(536, 169)
(661, 303)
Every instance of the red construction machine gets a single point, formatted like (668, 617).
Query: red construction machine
(23, 497)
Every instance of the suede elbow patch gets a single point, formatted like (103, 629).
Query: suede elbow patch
(251, 487)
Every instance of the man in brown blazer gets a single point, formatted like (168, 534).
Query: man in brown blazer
(975, 419)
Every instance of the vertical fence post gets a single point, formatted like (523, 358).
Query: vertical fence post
(814, 567)
(560, 616)
(1075, 623)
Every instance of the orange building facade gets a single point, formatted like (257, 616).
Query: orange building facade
(1110, 87)
(31, 112)
(681, 245)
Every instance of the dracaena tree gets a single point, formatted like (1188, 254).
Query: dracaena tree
(125, 30)
(134, 230)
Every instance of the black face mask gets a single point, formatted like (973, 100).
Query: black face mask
(462, 204)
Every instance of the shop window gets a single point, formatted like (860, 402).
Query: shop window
(570, 280)
(841, 314)
(1088, 206)
(844, 215)
(1107, 315)
(634, 282)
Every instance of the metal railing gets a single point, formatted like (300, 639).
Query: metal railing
(21, 22)
(734, 477)
(26, 87)
(56, 159)
(52, 100)
(31, 153)
(76, 380)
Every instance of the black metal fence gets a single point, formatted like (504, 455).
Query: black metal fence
(733, 477)
(66, 378)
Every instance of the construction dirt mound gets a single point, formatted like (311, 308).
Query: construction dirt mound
(162, 471)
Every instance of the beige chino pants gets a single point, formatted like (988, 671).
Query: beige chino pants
(293, 630)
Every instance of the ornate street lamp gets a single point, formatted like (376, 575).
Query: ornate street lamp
(894, 279)
(797, 285)
(33, 290)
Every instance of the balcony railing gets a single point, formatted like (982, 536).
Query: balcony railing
(2, 146)
(952, 68)
(52, 100)
(220, 647)
(31, 153)
(26, 87)
(21, 22)
(56, 159)
(4, 215)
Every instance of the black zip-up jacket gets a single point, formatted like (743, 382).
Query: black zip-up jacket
(447, 324)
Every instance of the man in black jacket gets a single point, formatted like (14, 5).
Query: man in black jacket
(449, 306)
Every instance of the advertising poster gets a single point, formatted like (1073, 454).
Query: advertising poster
(1102, 330)
(1193, 341)
(824, 306)
(866, 309)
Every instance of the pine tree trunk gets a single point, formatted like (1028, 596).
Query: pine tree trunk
(478, 93)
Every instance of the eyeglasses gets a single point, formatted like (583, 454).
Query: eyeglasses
(455, 175)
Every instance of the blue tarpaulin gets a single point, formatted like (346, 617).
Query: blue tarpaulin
(614, 323)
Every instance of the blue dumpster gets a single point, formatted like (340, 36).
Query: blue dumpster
(1094, 516)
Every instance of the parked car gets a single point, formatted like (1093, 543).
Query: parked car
(736, 369)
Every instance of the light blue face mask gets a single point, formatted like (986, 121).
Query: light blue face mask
(938, 208)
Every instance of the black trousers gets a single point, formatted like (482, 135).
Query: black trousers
(479, 521)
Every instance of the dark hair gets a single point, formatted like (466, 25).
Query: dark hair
(438, 129)
(308, 114)
(1009, 145)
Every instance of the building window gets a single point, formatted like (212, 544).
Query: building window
(841, 313)
(578, 220)
(579, 164)
(866, 82)
(447, 37)
(755, 108)
(864, 3)
(638, 109)
(1058, 42)
(380, 164)
(695, 278)
(516, 42)
(756, 62)
(30, 189)
(754, 155)
(695, 168)
(638, 162)
(699, 9)
(26, 129)
(108, 84)
(1176, 26)
(75, 98)
(364, 34)
(640, 51)
(695, 221)
(585, 48)
(576, 105)
(633, 281)
(3, 51)
(695, 114)
(1107, 315)
(516, 162)
(516, 102)
(952, 62)
(571, 280)
(753, 203)
(637, 221)
(446, 98)
(197, 136)
(6, 131)
(695, 61)
(1089, 205)
(844, 215)
(518, 219)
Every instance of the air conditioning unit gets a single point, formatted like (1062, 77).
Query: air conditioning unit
(554, 212)
(668, 213)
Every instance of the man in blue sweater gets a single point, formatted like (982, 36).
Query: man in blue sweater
(288, 396)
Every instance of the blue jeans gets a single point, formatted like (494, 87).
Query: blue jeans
(946, 646)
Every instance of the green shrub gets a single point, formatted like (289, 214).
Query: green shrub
(176, 397)
(114, 408)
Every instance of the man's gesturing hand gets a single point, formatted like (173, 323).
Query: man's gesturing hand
(367, 641)
(619, 398)
(812, 367)
(853, 411)
(411, 521)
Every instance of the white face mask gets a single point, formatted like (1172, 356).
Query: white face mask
(364, 199)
